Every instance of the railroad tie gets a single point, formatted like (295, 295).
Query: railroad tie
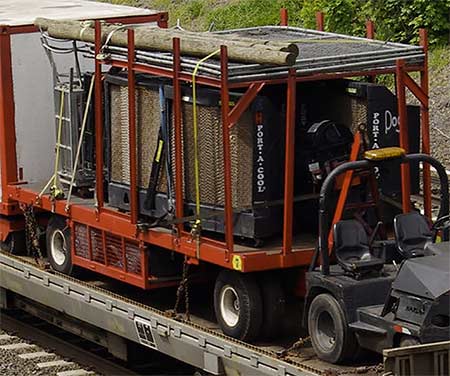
(75, 372)
(17, 346)
(54, 363)
(36, 354)
(4, 337)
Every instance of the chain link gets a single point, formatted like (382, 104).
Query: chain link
(32, 234)
(295, 346)
(183, 288)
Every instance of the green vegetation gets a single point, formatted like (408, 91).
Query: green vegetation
(395, 20)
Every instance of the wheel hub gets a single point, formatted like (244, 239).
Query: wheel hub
(229, 306)
(326, 330)
(58, 247)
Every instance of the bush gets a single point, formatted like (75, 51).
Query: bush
(395, 20)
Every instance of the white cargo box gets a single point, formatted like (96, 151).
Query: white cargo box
(32, 75)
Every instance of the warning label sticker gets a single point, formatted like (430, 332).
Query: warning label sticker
(144, 332)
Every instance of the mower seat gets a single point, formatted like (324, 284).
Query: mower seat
(352, 248)
(412, 233)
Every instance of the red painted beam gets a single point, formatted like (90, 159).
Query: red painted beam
(244, 102)
(403, 126)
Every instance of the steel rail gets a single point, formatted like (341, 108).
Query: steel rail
(180, 329)
(61, 347)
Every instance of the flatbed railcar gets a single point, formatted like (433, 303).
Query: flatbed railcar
(258, 246)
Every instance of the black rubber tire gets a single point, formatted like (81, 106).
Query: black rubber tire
(274, 305)
(327, 322)
(15, 243)
(57, 226)
(406, 340)
(249, 317)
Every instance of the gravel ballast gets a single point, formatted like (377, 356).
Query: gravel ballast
(440, 110)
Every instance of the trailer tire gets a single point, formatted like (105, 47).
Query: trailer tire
(238, 305)
(274, 306)
(59, 245)
(15, 243)
(331, 338)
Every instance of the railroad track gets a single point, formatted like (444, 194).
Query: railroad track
(34, 337)
(69, 349)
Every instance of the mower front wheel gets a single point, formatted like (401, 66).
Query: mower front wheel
(331, 338)
(406, 340)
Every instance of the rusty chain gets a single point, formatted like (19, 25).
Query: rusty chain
(32, 234)
(183, 288)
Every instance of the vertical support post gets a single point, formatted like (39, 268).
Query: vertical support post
(8, 158)
(144, 264)
(134, 204)
(98, 119)
(425, 124)
(162, 22)
(370, 33)
(225, 100)
(284, 17)
(319, 21)
(348, 177)
(289, 162)
(403, 126)
(370, 29)
(178, 131)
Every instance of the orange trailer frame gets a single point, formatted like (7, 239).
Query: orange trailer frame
(124, 226)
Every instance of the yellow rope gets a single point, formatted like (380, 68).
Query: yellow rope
(56, 192)
(196, 158)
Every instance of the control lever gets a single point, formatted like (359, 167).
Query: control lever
(374, 233)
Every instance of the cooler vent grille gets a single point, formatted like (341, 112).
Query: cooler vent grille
(115, 247)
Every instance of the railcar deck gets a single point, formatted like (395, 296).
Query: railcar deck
(125, 311)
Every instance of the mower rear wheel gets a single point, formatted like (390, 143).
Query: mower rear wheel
(59, 245)
(406, 340)
(238, 305)
(331, 338)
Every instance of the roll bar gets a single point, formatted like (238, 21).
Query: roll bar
(365, 164)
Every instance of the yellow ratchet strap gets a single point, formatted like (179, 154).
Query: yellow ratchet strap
(196, 158)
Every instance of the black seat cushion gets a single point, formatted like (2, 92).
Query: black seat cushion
(352, 250)
(412, 233)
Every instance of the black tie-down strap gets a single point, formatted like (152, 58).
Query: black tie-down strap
(149, 203)
(161, 157)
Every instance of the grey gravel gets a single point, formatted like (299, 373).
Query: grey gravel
(12, 364)
(440, 112)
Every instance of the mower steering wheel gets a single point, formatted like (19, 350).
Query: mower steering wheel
(441, 223)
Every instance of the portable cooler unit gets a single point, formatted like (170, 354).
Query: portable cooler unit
(368, 107)
(256, 155)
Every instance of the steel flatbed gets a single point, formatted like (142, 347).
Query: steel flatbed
(197, 342)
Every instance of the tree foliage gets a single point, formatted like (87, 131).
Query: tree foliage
(395, 20)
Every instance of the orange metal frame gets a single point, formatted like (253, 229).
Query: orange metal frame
(179, 240)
